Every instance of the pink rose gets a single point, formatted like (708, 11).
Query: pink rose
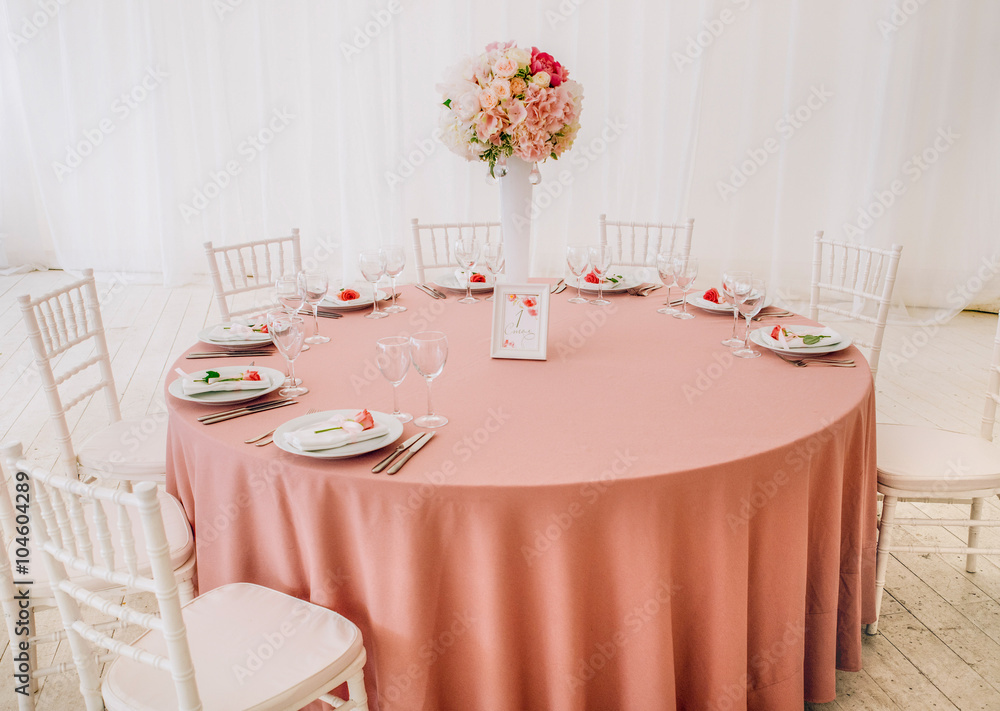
(517, 86)
(499, 46)
(533, 312)
(365, 419)
(543, 62)
(488, 99)
(505, 67)
(501, 87)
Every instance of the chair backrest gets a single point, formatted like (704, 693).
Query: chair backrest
(57, 322)
(992, 389)
(636, 244)
(433, 244)
(242, 268)
(862, 275)
(73, 531)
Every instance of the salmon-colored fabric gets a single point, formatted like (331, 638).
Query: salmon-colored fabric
(640, 522)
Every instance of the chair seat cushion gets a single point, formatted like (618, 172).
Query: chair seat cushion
(932, 461)
(253, 648)
(128, 449)
(179, 539)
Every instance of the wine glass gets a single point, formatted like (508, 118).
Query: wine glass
(600, 261)
(750, 305)
(733, 282)
(467, 254)
(429, 351)
(578, 259)
(291, 295)
(665, 266)
(314, 286)
(685, 272)
(392, 355)
(287, 333)
(372, 264)
(493, 261)
(395, 260)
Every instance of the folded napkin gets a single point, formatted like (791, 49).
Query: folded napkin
(462, 276)
(334, 432)
(191, 386)
(237, 332)
(804, 336)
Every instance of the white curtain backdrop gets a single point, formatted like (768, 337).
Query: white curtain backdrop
(130, 132)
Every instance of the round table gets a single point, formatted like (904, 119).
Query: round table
(641, 521)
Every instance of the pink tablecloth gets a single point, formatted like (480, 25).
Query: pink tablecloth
(641, 522)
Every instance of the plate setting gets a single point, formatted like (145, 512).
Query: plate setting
(259, 340)
(334, 303)
(275, 378)
(451, 282)
(626, 282)
(702, 303)
(354, 449)
(833, 343)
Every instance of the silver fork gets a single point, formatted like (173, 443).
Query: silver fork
(312, 411)
(803, 361)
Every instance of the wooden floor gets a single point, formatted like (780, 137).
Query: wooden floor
(939, 641)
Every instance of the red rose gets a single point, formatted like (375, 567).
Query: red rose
(592, 278)
(775, 332)
(712, 295)
(365, 419)
(477, 278)
(543, 62)
(251, 375)
(530, 301)
(348, 295)
(263, 329)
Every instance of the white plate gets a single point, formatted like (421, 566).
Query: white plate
(696, 299)
(332, 302)
(450, 282)
(348, 450)
(250, 343)
(627, 282)
(762, 337)
(276, 378)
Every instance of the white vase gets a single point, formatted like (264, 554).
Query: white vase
(515, 220)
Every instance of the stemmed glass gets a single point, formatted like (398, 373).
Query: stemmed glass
(392, 355)
(750, 305)
(578, 259)
(287, 333)
(733, 283)
(395, 260)
(429, 351)
(467, 254)
(290, 294)
(372, 264)
(600, 261)
(685, 272)
(493, 261)
(665, 266)
(314, 286)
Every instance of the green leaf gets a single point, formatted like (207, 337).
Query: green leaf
(448, 103)
(208, 375)
(812, 339)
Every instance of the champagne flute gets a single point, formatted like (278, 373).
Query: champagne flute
(578, 259)
(392, 355)
(287, 333)
(733, 281)
(600, 261)
(750, 305)
(665, 266)
(467, 254)
(493, 261)
(314, 286)
(268, 319)
(685, 272)
(372, 264)
(429, 351)
(395, 260)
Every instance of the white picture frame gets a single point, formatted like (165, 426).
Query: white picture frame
(520, 321)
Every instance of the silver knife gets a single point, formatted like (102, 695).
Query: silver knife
(242, 413)
(385, 462)
(254, 406)
(424, 439)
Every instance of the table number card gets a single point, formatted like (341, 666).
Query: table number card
(520, 321)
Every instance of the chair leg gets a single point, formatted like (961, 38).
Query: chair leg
(185, 590)
(356, 691)
(885, 525)
(975, 514)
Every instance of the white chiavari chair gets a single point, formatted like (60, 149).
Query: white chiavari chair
(29, 591)
(199, 655)
(67, 323)
(433, 243)
(240, 269)
(862, 276)
(923, 464)
(636, 244)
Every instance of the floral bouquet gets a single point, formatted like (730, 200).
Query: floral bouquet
(510, 101)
